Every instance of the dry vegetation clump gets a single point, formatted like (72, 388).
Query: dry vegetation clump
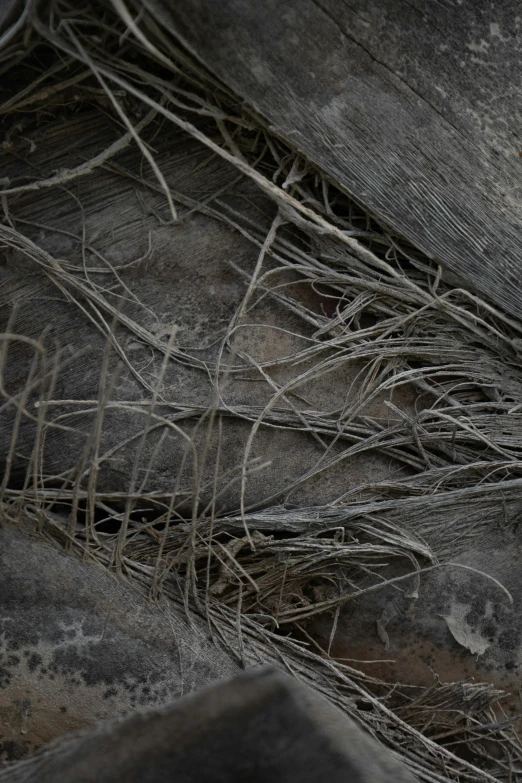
(436, 381)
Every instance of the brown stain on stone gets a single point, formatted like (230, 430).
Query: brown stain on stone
(25, 726)
(413, 661)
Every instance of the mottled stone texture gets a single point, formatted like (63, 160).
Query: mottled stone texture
(78, 645)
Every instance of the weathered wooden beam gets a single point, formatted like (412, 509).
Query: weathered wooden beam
(415, 108)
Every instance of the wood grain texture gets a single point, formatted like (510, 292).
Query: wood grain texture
(181, 275)
(413, 107)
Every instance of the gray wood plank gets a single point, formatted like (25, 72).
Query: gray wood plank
(413, 106)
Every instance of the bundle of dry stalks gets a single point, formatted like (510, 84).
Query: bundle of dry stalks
(435, 385)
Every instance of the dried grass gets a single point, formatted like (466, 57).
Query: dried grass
(253, 573)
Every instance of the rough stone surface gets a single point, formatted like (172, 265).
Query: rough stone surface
(79, 645)
(258, 727)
